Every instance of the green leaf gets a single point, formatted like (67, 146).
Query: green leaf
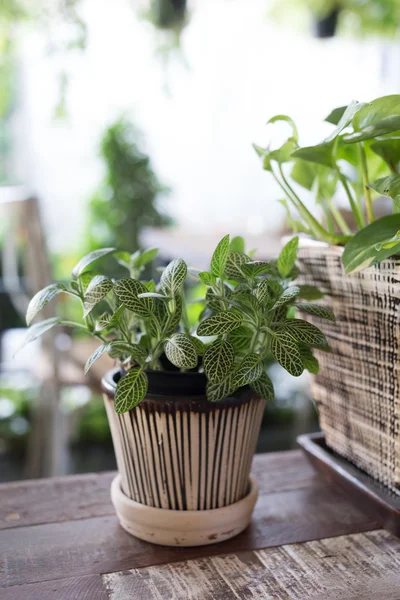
(207, 278)
(309, 361)
(321, 154)
(222, 322)
(41, 299)
(241, 338)
(117, 319)
(220, 390)
(262, 292)
(317, 310)
(335, 115)
(309, 292)
(389, 150)
(264, 388)
(379, 117)
(234, 264)
(304, 173)
(218, 360)
(200, 347)
(219, 257)
(123, 259)
(286, 352)
(35, 331)
(287, 296)
(181, 351)
(89, 259)
(120, 348)
(286, 119)
(173, 277)
(131, 389)
(145, 257)
(250, 370)
(237, 244)
(103, 322)
(275, 288)
(127, 291)
(287, 258)
(387, 186)
(256, 268)
(85, 280)
(96, 355)
(301, 331)
(97, 289)
(345, 119)
(365, 247)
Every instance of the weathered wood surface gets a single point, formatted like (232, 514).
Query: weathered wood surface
(365, 566)
(60, 536)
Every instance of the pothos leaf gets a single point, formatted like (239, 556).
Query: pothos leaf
(131, 389)
(222, 322)
(89, 259)
(220, 390)
(315, 309)
(218, 360)
(181, 351)
(173, 277)
(41, 299)
(127, 291)
(97, 289)
(286, 352)
(250, 369)
(103, 348)
(263, 387)
(287, 258)
(218, 260)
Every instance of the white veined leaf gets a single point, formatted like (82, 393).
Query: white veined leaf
(220, 390)
(262, 292)
(309, 361)
(131, 389)
(218, 360)
(207, 278)
(249, 301)
(241, 338)
(176, 316)
(287, 258)
(286, 352)
(96, 355)
(256, 268)
(234, 264)
(315, 309)
(302, 331)
(127, 291)
(116, 319)
(275, 288)
(103, 322)
(222, 322)
(250, 369)
(200, 347)
(89, 259)
(181, 351)
(264, 388)
(123, 349)
(219, 257)
(35, 331)
(154, 295)
(97, 289)
(41, 299)
(287, 296)
(173, 277)
(309, 292)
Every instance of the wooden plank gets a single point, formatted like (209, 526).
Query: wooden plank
(99, 545)
(83, 496)
(53, 500)
(74, 588)
(363, 566)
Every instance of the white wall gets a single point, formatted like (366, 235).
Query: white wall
(241, 70)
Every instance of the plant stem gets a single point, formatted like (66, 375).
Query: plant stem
(354, 206)
(367, 191)
(337, 215)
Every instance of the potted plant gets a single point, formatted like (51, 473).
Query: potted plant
(186, 400)
(357, 387)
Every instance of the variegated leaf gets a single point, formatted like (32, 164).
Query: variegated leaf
(127, 291)
(250, 369)
(288, 295)
(264, 388)
(262, 292)
(220, 390)
(173, 277)
(302, 331)
(89, 259)
(315, 309)
(286, 352)
(181, 351)
(218, 360)
(219, 257)
(41, 299)
(131, 389)
(234, 264)
(97, 289)
(222, 322)
(102, 349)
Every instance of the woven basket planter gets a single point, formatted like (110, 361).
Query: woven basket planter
(357, 388)
(179, 453)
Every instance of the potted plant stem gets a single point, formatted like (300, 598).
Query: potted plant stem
(357, 387)
(186, 400)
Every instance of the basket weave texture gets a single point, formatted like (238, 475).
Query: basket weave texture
(357, 388)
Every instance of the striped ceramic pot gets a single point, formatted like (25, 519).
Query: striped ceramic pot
(184, 463)
(357, 390)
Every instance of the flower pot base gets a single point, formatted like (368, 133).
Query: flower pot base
(183, 527)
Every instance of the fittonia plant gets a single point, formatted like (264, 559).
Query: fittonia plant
(248, 318)
(360, 158)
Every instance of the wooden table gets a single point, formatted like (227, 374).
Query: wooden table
(60, 540)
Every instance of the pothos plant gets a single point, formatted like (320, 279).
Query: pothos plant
(359, 159)
(247, 319)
